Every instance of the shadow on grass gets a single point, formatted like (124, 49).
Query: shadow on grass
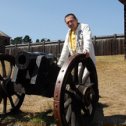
(42, 118)
(46, 118)
(113, 120)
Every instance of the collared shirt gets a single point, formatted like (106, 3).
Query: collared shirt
(72, 40)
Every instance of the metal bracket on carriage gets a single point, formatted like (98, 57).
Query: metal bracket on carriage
(19, 89)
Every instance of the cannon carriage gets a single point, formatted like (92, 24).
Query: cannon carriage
(36, 73)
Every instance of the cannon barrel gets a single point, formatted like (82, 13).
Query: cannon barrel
(36, 71)
(23, 59)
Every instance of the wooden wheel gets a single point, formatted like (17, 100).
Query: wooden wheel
(76, 93)
(9, 96)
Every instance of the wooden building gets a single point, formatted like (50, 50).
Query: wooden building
(4, 40)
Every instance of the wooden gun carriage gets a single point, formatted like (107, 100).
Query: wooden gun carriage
(37, 73)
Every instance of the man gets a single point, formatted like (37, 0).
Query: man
(78, 40)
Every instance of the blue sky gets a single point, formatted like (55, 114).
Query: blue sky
(45, 18)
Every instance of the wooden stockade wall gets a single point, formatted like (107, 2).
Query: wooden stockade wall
(109, 45)
(105, 45)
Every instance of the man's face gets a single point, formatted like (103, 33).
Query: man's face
(71, 22)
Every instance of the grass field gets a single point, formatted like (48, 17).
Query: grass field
(111, 70)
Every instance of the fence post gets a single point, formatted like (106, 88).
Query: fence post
(115, 44)
(94, 40)
(15, 50)
(29, 48)
(59, 48)
(115, 36)
(43, 44)
(94, 43)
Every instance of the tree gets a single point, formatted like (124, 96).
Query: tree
(17, 40)
(42, 40)
(27, 39)
(37, 40)
(45, 40)
(48, 40)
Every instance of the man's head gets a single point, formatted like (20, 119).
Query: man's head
(71, 21)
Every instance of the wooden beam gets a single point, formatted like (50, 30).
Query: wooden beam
(125, 30)
(123, 1)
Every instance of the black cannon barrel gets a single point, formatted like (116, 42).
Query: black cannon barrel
(23, 59)
(37, 71)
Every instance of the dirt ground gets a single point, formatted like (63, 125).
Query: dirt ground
(111, 72)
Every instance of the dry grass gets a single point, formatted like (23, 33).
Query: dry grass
(112, 85)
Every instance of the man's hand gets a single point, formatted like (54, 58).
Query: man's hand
(86, 53)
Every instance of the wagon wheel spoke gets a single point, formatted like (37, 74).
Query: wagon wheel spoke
(68, 113)
(73, 119)
(6, 70)
(3, 68)
(80, 73)
(75, 75)
(4, 104)
(85, 77)
(11, 102)
(67, 102)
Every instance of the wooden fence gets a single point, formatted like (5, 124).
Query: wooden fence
(109, 45)
(104, 45)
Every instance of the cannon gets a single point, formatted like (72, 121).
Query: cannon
(36, 73)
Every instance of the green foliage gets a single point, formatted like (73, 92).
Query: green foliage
(20, 40)
(17, 40)
(37, 40)
(26, 39)
(42, 40)
(45, 40)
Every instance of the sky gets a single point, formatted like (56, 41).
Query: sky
(45, 18)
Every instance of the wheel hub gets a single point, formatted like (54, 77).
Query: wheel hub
(87, 94)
